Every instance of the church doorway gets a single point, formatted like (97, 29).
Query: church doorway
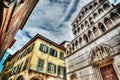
(108, 72)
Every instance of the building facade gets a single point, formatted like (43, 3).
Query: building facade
(94, 53)
(39, 59)
(13, 16)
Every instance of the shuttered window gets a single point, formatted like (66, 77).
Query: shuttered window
(51, 68)
(30, 48)
(43, 48)
(61, 71)
(61, 55)
(25, 64)
(53, 52)
(40, 65)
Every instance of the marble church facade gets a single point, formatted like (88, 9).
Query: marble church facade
(94, 53)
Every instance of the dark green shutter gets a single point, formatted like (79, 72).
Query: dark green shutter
(54, 68)
(41, 47)
(64, 75)
(50, 51)
(61, 56)
(55, 54)
(25, 64)
(58, 70)
(47, 49)
(49, 67)
(40, 65)
(30, 48)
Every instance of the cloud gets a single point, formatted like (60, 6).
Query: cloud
(52, 19)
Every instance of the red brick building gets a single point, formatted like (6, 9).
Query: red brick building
(13, 16)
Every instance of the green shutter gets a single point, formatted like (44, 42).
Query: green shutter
(64, 75)
(47, 49)
(40, 65)
(25, 64)
(49, 67)
(30, 48)
(55, 54)
(54, 68)
(50, 51)
(58, 73)
(41, 47)
(61, 56)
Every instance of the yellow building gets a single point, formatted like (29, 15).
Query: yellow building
(39, 59)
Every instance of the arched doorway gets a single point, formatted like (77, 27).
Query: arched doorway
(36, 78)
(102, 62)
(20, 78)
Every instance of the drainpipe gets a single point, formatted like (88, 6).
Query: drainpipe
(9, 4)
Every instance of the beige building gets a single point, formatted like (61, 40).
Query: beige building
(94, 53)
(39, 59)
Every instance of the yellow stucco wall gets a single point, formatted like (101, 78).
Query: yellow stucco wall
(37, 54)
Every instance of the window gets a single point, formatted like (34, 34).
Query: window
(40, 65)
(23, 54)
(61, 72)
(25, 64)
(30, 48)
(61, 56)
(51, 68)
(53, 52)
(20, 66)
(43, 48)
(102, 27)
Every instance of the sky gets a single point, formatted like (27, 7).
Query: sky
(51, 19)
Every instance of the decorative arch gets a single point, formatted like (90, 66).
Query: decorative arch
(80, 41)
(80, 17)
(102, 27)
(86, 24)
(107, 22)
(100, 11)
(75, 32)
(86, 10)
(73, 77)
(90, 35)
(91, 20)
(78, 29)
(101, 54)
(74, 26)
(82, 27)
(95, 4)
(76, 43)
(106, 6)
(83, 13)
(85, 38)
(95, 15)
(114, 16)
(76, 21)
(36, 78)
(90, 7)
(20, 77)
(95, 31)
(73, 46)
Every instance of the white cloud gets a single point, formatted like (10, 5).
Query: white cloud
(52, 19)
